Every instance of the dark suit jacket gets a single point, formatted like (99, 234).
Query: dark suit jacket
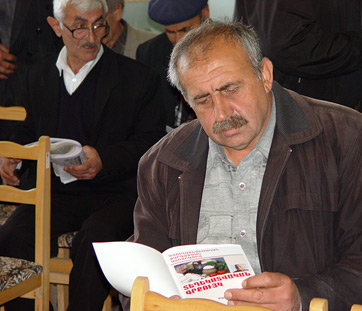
(128, 116)
(31, 40)
(315, 46)
(156, 54)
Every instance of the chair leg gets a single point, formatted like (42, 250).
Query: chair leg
(63, 297)
(107, 306)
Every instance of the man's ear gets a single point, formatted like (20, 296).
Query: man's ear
(118, 11)
(55, 24)
(267, 74)
(205, 12)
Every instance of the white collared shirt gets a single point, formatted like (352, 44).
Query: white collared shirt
(71, 80)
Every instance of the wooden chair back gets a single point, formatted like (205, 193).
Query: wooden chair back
(321, 304)
(142, 299)
(40, 198)
(13, 113)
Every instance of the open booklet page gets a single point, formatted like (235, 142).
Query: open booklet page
(190, 271)
(122, 262)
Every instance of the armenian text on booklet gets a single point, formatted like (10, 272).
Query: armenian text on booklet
(189, 271)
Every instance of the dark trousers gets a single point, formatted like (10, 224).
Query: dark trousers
(97, 217)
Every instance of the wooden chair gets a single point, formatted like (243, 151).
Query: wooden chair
(142, 299)
(321, 304)
(13, 113)
(61, 265)
(33, 279)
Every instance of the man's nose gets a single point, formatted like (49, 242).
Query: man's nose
(222, 108)
(91, 36)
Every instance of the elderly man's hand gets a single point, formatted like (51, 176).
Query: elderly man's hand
(7, 62)
(90, 168)
(7, 169)
(275, 291)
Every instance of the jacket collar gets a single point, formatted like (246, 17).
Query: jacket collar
(296, 119)
(190, 152)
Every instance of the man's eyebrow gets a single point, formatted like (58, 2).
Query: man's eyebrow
(200, 96)
(227, 85)
(222, 88)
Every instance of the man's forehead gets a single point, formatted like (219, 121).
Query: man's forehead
(220, 62)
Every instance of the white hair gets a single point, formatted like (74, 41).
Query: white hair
(81, 5)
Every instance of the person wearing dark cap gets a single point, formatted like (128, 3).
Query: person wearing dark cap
(177, 18)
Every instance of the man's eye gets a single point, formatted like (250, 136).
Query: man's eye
(203, 101)
(231, 90)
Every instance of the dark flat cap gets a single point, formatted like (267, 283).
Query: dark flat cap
(168, 12)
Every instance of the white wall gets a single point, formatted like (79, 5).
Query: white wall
(136, 13)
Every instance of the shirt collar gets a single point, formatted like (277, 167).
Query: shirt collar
(63, 65)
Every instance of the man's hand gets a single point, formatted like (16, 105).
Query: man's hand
(90, 168)
(275, 291)
(7, 169)
(7, 62)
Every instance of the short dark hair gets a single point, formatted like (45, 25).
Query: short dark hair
(113, 3)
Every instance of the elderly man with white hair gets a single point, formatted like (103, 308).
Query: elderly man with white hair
(110, 104)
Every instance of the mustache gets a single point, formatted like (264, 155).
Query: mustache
(89, 45)
(232, 122)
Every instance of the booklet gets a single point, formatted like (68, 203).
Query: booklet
(189, 271)
(63, 152)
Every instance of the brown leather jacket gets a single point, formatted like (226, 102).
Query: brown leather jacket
(309, 223)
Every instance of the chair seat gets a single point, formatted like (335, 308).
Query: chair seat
(65, 240)
(5, 211)
(14, 271)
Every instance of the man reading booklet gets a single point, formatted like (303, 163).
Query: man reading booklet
(263, 167)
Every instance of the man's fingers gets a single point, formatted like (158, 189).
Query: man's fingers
(272, 290)
(250, 296)
(266, 279)
(6, 67)
(7, 62)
